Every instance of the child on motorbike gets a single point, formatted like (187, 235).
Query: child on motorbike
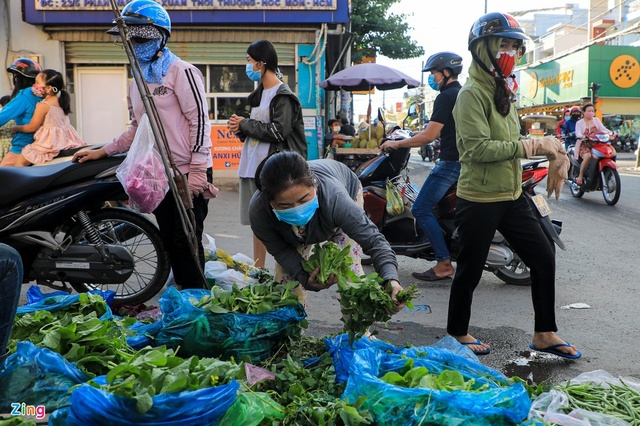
(490, 185)
(50, 122)
(21, 106)
(586, 127)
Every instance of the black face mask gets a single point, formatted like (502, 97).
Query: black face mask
(575, 116)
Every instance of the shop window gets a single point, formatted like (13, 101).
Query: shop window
(221, 108)
(228, 88)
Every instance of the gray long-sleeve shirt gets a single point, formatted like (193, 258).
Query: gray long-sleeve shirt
(337, 188)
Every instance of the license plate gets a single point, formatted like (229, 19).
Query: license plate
(541, 204)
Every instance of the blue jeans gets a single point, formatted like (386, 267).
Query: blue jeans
(10, 286)
(443, 175)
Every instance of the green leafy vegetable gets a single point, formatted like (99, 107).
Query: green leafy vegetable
(331, 259)
(252, 299)
(419, 377)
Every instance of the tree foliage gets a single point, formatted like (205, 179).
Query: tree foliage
(378, 32)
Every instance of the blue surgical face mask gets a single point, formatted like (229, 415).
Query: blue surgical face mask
(253, 75)
(298, 215)
(433, 83)
(146, 52)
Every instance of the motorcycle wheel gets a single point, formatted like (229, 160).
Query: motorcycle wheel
(515, 273)
(611, 186)
(151, 261)
(573, 187)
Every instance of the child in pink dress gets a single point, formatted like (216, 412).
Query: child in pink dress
(50, 122)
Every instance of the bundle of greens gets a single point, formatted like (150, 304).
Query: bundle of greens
(363, 300)
(78, 334)
(153, 371)
(419, 377)
(367, 300)
(332, 260)
(252, 299)
(614, 399)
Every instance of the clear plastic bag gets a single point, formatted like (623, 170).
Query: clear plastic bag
(550, 407)
(142, 173)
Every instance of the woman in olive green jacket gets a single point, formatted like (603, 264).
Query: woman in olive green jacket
(490, 184)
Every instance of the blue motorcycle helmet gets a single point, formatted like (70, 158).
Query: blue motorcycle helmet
(145, 19)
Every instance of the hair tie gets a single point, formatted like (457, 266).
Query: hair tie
(54, 89)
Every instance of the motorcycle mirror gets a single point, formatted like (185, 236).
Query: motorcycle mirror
(382, 118)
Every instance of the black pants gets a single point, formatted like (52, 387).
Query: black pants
(186, 270)
(477, 223)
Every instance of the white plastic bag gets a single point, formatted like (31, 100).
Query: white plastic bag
(142, 173)
(547, 407)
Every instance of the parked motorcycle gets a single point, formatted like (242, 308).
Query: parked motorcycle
(430, 151)
(407, 239)
(55, 216)
(625, 143)
(601, 173)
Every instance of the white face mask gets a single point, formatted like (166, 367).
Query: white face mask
(336, 129)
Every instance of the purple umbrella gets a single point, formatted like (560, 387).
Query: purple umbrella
(366, 77)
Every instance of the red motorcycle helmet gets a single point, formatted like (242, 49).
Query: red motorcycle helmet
(496, 24)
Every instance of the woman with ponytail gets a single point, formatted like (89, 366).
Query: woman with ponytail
(275, 124)
(50, 122)
(490, 184)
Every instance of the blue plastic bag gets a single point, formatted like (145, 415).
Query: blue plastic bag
(500, 404)
(96, 407)
(201, 333)
(37, 376)
(57, 300)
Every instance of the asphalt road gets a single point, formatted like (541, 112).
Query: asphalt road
(599, 269)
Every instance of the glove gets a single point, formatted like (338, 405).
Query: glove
(557, 175)
(548, 146)
(198, 183)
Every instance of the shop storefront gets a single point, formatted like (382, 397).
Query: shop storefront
(550, 87)
(213, 36)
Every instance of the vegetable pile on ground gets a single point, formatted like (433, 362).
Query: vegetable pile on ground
(78, 333)
(364, 300)
(251, 299)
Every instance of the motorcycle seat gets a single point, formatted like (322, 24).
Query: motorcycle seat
(22, 182)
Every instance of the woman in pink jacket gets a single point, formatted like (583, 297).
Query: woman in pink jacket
(586, 127)
(178, 93)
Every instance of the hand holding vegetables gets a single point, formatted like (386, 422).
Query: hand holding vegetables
(363, 300)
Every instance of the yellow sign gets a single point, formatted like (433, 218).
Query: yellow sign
(624, 71)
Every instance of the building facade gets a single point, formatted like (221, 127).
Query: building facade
(69, 35)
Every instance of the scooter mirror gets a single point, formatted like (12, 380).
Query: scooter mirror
(382, 118)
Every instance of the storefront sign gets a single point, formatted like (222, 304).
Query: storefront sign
(225, 148)
(83, 5)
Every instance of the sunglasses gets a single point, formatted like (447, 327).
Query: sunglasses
(139, 40)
